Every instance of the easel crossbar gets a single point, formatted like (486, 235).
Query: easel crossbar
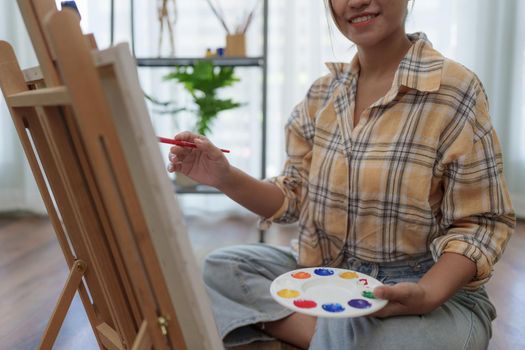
(54, 96)
(111, 339)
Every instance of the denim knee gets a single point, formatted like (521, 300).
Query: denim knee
(215, 266)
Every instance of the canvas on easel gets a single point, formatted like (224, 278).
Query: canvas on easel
(84, 126)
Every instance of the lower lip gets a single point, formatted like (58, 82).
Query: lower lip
(364, 23)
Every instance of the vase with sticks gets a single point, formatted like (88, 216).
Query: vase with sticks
(236, 38)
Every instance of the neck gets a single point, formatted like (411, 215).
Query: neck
(383, 59)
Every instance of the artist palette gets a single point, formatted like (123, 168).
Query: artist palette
(327, 292)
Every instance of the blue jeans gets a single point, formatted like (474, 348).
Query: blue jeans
(238, 282)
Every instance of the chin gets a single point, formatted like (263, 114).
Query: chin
(365, 40)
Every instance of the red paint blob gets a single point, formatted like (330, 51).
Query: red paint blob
(305, 304)
(301, 275)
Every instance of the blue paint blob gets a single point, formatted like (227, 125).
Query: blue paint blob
(324, 272)
(334, 307)
(359, 303)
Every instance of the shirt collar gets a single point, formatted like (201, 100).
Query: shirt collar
(420, 69)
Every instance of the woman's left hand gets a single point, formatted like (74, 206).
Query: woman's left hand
(404, 298)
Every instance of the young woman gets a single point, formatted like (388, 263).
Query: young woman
(394, 170)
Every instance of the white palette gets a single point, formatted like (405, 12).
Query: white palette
(327, 292)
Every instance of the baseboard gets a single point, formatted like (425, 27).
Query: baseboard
(13, 200)
(518, 201)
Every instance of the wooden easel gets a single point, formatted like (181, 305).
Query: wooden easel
(85, 129)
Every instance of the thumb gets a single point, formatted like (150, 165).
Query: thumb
(397, 292)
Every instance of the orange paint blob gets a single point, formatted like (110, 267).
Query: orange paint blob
(301, 275)
(348, 275)
(288, 293)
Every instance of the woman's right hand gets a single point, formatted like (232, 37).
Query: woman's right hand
(205, 164)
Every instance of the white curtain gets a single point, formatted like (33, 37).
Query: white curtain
(484, 35)
(18, 190)
(487, 37)
(514, 108)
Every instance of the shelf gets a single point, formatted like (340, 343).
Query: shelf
(198, 189)
(260, 61)
(189, 61)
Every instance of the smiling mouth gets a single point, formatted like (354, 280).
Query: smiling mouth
(362, 19)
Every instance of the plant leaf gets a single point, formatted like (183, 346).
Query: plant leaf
(202, 81)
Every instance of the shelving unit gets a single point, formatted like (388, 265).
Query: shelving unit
(189, 61)
(260, 62)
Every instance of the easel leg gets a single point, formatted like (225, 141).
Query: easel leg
(143, 340)
(59, 313)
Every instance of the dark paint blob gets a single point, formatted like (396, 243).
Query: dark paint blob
(359, 303)
(324, 272)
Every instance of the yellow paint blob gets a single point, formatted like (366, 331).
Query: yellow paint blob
(348, 275)
(288, 293)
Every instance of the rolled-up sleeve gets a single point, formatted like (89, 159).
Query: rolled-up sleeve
(477, 214)
(294, 178)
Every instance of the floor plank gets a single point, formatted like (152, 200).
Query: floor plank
(33, 270)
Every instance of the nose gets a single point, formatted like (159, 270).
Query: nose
(358, 4)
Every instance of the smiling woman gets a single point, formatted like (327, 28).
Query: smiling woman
(394, 170)
(299, 46)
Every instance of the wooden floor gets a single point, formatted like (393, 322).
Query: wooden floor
(32, 272)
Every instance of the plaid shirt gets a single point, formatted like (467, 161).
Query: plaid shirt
(421, 172)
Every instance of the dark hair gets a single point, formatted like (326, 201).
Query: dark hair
(330, 13)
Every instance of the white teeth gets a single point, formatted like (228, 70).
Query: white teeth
(362, 19)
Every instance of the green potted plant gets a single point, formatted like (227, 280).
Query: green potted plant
(203, 82)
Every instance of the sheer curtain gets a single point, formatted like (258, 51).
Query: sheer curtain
(18, 189)
(483, 35)
(515, 126)
(487, 37)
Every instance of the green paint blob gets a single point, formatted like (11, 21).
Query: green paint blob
(368, 294)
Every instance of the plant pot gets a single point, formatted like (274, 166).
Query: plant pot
(236, 45)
